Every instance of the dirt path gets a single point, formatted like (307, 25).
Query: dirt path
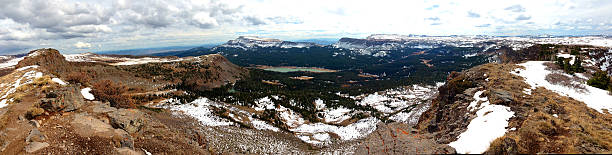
(397, 138)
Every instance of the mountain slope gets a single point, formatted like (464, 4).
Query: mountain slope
(540, 119)
(54, 106)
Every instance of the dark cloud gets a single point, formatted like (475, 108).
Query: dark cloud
(515, 8)
(14, 47)
(254, 20)
(523, 17)
(473, 14)
(58, 19)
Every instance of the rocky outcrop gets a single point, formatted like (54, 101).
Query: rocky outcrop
(399, 138)
(64, 99)
(543, 121)
(50, 59)
(130, 120)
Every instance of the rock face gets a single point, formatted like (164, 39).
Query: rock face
(47, 58)
(543, 121)
(88, 126)
(130, 120)
(64, 99)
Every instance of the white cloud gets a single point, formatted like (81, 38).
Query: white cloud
(81, 45)
(121, 24)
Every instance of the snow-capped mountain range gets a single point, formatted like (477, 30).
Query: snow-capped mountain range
(247, 42)
(377, 43)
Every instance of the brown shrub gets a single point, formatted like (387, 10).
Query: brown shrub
(503, 145)
(33, 112)
(78, 77)
(112, 92)
(561, 79)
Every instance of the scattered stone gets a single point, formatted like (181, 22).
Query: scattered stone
(35, 136)
(124, 139)
(99, 107)
(35, 146)
(130, 120)
(35, 123)
(501, 97)
(127, 151)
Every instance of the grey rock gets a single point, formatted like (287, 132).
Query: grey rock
(130, 120)
(502, 97)
(35, 146)
(88, 126)
(35, 136)
(125, 140)
(127, 151)
(65, 99)
(35, 123)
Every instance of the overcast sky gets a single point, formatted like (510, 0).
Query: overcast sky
(97, 25)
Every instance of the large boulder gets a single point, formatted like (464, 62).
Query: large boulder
(35, 146)
(65, 99)
(88, 126)
(130, 120)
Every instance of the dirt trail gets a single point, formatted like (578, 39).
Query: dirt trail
(397, 138)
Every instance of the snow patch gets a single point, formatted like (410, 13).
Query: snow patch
(261, 125)
(336, 115)
(567, 56)
(199, 109)
(86, 94)
(263, 104)
(59, 81)
(490, 124)
(535, 73)
(353, 131)
(10, 63)
(27, 67)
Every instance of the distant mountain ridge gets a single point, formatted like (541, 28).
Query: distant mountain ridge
(246, 42)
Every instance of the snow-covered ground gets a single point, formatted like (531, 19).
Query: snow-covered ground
(200, 110)
(567, 56)
(59, 81)
(535, 73)
(28, 76)
(318, 133)
(394, 100)
(10, 63)
(86, 94)
(490, 124)
(118, 61)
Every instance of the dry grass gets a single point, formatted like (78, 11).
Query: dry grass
(33, 112)
(576, 129)
(545, 121)
(112, 92)
(77, 77)
(562, 79)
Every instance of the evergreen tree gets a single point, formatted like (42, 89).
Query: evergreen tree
(600, 80)
(577, 66)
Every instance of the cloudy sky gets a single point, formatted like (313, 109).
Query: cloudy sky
(100, 25)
